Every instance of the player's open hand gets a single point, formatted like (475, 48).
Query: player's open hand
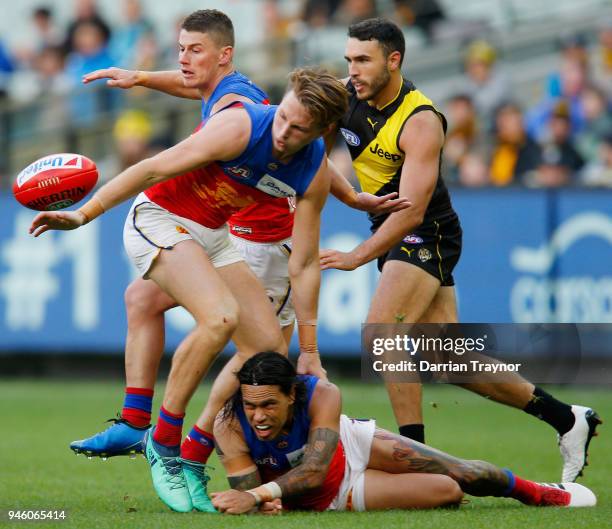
(56, 220)
(117, 77)
(386, 204)
(338, 260)
(233, 501)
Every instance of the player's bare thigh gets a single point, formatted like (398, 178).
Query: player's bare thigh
(383, 490)
(403, 294)
(443, 307)
(258, 328)
(145, 295)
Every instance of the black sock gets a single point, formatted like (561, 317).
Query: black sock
(546, 408)
(416, 432)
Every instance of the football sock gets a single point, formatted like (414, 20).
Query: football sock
(198, 445)
(546, 408)
(137, 406)
(169, 428)
(416, 432)
(532, 493)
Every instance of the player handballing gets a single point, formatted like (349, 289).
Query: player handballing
(261, 232)
(261, 153)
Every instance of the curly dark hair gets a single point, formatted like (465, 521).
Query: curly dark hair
(266, 369)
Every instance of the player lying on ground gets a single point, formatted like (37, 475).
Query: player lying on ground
(282, 437)
(258, 153)
(261, 232)
(395, 136)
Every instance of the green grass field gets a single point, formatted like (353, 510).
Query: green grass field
(38, 471)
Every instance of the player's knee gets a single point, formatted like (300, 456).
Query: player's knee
(141, 299)
(223, 321)
(448, 491)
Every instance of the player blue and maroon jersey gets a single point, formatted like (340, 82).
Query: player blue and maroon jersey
(234, 83)
(257, 167)
(261, 222)
(277, 456)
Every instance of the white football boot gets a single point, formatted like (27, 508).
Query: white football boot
(575, 443)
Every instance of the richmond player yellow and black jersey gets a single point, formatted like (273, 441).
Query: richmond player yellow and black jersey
(372, 136)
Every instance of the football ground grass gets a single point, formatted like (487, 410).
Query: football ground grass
(38, 471)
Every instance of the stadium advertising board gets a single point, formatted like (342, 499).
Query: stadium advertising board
(529, 256)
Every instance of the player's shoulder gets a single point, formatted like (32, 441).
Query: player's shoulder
(325, 390)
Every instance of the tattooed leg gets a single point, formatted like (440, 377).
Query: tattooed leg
(398, 455)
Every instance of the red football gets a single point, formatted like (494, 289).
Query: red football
(55, 181)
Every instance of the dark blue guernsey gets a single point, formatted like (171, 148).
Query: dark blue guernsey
(234, 83)
(278, 456)
(256, 166)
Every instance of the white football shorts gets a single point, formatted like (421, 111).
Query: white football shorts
(149, 229)
(356, 436)
(270, 263)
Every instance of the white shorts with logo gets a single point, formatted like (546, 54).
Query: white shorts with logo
(270, 263)
(149, 229)
(356, 436)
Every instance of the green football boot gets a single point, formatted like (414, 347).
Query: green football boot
(197, 482)
(167, 474)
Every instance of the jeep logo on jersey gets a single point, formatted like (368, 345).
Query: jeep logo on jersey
(379, 151)
(239, 171)
(275, 187)
(54, 161)
(350, 137)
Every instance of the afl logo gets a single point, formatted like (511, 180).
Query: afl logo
(413, 239)
(350, 137)
(238, 171)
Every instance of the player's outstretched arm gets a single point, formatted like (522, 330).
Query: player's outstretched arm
(304, 270)
(342, 189)
(224, 137)
(421, 141)
(169, 82)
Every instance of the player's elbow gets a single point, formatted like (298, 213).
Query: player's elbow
(316, 477)
(299, 265)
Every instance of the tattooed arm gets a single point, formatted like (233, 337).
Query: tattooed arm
(242, 473)
(324, 411)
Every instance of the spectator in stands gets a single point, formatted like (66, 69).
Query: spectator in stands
(85, 11)
(423, 14)
(132, 134)
(52, 85)
(514, 155)
(125, 43)
(486, 83)
(90, 53)
(351, 11)
(603, 65)
(573, 48)
(474, 171)
(573, 80)
(598, 122)
(463, 134)
(560, 160)
(7, 67)
(599, 172)
(318, 13)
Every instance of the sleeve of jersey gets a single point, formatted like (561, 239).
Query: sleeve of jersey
(316, 151)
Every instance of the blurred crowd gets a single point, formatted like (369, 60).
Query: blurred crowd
(493, 137)
(563, 139)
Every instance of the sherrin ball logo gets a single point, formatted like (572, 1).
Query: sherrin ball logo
(55, 181)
